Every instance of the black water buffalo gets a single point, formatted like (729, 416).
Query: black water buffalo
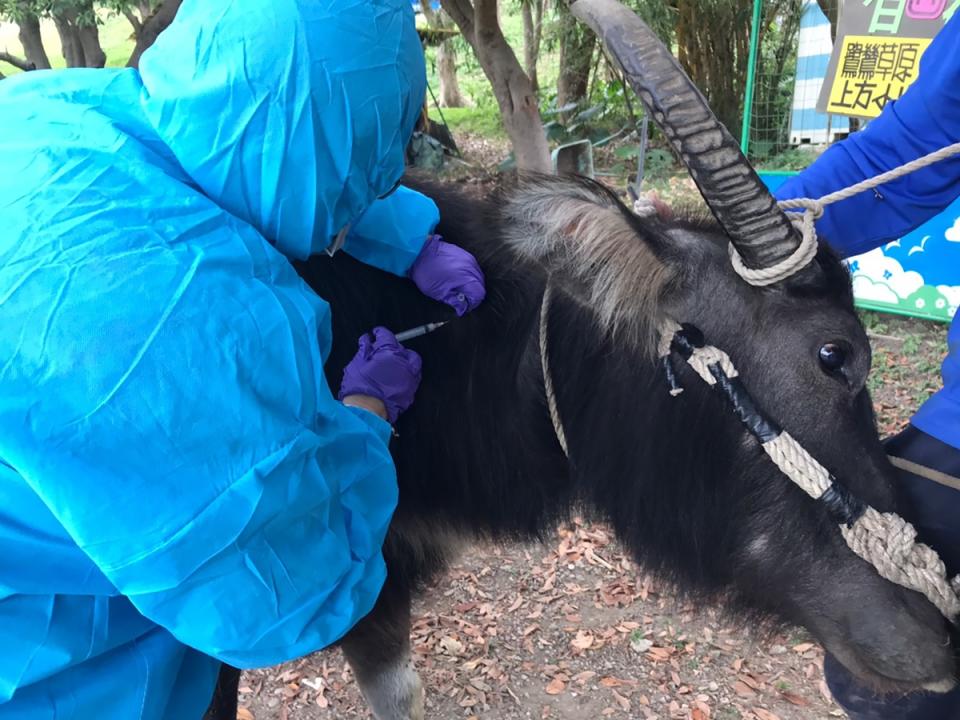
(686, 488)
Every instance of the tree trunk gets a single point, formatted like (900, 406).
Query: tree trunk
(450, 95)
(134, 21)
(576, 54)
(530, 47)
(519, 109)
(93, 54)
(162, 16)
(70, 44)
(32, 42)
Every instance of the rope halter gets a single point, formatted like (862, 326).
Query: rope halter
(885, 540)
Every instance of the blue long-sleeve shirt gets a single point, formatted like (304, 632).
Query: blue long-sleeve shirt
(925, 119)
(178, 485)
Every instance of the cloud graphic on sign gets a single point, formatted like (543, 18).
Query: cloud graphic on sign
(880, 275)
(952, 294)
(953, 233)
(866, 289)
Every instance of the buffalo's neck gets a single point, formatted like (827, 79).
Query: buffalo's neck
(477, 449)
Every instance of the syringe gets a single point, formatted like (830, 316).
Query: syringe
(418, 331)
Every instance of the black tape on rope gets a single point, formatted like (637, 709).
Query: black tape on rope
(843, 507)
(762, 429)
(687, 339)
(675, 387)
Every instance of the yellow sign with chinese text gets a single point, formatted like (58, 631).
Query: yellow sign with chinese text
(873, 70)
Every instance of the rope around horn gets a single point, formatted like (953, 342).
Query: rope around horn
(813, 210)
(885, 540)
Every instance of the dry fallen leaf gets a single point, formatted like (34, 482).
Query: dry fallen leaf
(451, 645)
(743, 690)
(622, 701)
(556, 686)
(793, 698)
(244, 714)
(583, 640)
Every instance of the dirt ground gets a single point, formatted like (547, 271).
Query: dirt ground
(572, 629)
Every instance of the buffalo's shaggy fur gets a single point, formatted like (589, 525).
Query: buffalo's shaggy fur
(683, 486)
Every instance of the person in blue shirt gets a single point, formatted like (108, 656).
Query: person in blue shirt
(926, 118)
(179, 488)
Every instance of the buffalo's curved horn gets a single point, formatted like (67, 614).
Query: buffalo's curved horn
(741, 203)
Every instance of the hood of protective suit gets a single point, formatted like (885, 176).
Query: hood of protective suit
(299, 128)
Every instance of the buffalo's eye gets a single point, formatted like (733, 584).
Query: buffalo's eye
(832, 357)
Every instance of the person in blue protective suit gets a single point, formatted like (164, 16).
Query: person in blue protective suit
(925, 119)
(178, 485)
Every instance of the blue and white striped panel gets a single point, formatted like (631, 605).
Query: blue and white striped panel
(813, 55)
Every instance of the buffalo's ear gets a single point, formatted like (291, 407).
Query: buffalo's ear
(593, 248)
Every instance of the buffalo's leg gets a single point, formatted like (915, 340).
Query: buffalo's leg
(223, 706)
(378, 650)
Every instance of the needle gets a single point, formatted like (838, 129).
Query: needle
(418, 331)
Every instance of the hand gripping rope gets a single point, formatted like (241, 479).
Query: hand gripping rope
(812, 211)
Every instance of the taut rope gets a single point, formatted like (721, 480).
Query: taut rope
(813, 210)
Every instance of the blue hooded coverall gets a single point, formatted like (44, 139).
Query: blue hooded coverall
(178, 485)
(925, 119)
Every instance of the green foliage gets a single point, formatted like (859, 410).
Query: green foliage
(796, 158)
(483, 120)
(575, 122)
(773, 97)
(16, 10)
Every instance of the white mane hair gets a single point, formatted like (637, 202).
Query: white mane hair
(582, 235)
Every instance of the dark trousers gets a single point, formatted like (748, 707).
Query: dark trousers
(933, 506)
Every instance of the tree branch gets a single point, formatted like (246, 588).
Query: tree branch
(134, 20)
(162, 16)
(17, 62)
(461, 12)
(429, 14)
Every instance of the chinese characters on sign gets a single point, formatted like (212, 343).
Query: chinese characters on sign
(878, 50)
(873, 71)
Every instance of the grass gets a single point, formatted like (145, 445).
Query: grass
(476, 120)
(115, 39)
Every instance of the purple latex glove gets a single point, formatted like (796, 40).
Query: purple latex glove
(385, 370)
(450, 274)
